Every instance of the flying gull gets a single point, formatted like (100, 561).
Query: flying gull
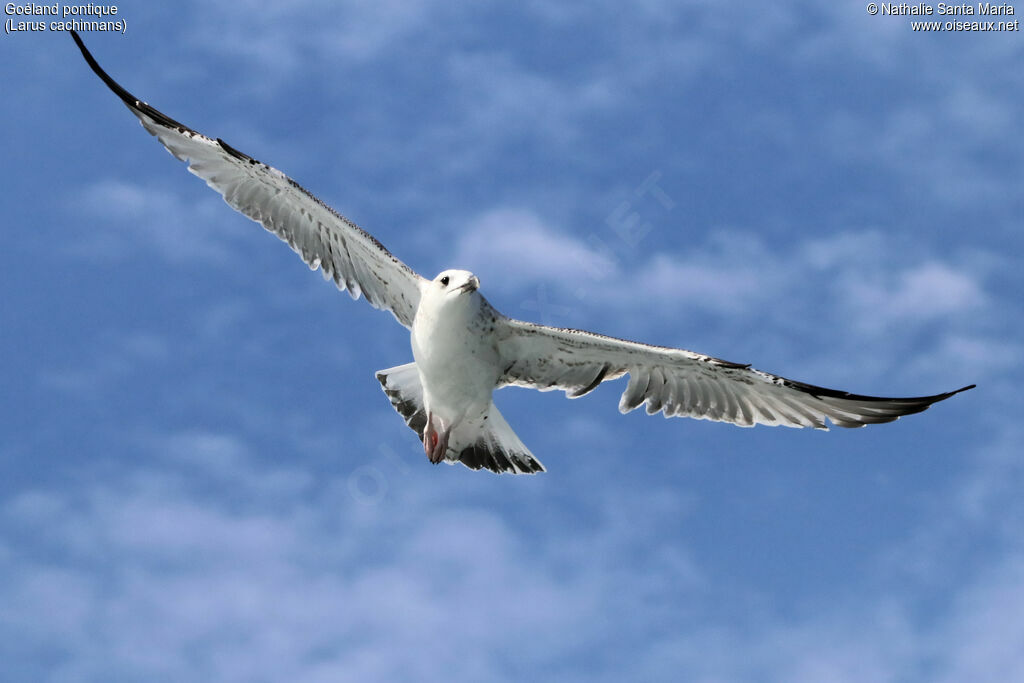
(464, 349)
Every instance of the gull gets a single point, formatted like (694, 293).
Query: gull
(464, 349)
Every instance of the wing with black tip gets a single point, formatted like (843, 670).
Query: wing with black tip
(682, 383)
(325, 239)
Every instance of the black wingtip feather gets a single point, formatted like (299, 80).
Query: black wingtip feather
(875, 410)
(822, 392)
(134, 103)
(235, 153)
(128, 98)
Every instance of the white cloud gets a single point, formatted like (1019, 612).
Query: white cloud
(190, 562)
(962, 621)
(282, 39)
(160, 577)
(913, 295)
(862, 273)
(982, 355)
(860, 296)
(500, 93)
(730, 274)
(131, 219)
(981, 639)
(520, 251)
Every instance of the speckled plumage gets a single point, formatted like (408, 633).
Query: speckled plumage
(464, 349)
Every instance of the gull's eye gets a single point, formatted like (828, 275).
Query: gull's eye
(444, 281)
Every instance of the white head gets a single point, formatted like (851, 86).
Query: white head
(454, 283)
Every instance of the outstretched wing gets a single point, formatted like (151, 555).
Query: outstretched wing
(682, 383)
(325, 239)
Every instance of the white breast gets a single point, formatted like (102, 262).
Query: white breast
(456, 356)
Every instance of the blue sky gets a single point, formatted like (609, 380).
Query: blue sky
(201, 479)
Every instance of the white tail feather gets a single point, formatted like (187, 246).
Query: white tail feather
(486, 442)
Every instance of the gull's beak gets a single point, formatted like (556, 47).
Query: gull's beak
(471, 286)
